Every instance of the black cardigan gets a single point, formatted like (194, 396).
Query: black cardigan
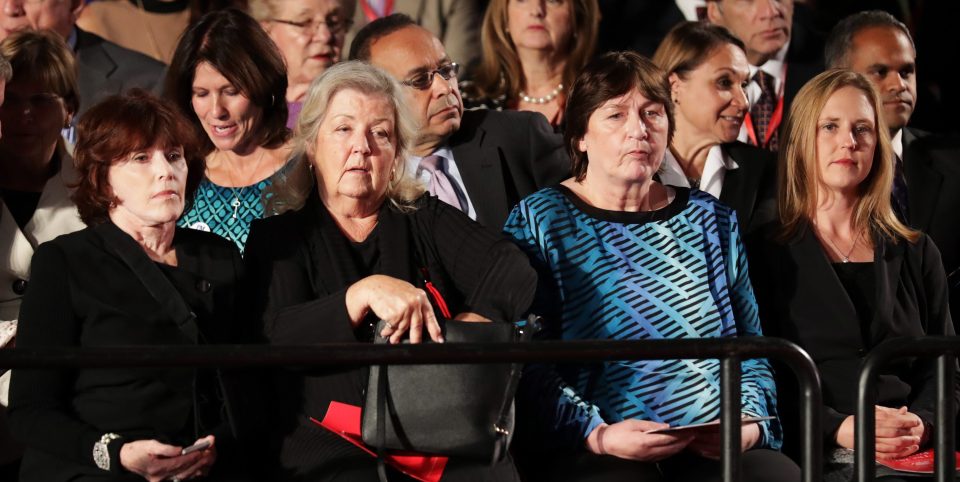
(298, 288)
(801, 299)
(82, 294)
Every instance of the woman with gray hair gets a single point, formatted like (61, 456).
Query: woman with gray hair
(359, 241)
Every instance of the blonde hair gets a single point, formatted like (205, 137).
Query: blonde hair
(293, 185)
(265, 10)
(799, 177)
(500, 74)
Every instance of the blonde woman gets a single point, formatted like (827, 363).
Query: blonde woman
(359, 242)
(840, 273)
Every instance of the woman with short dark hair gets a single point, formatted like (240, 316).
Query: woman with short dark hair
(229, 79)
(131, 278)
(623, 257)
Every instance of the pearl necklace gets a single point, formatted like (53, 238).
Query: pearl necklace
(541, 100)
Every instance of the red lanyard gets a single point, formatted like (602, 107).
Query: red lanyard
(371, 13)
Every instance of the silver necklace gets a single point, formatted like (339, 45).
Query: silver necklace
(238, 191)
(845, 258)
(541, 100)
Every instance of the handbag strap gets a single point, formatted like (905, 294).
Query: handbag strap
(151, 277)
(527, 331)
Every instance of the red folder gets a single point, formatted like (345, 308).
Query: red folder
(344, 420)
(918, 463)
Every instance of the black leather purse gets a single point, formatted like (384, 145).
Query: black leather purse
(452, 410)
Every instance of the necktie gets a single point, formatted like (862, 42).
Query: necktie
(439, 184)
(762, 111)
(899, 196)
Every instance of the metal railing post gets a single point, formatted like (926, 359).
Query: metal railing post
(730, 417)
(944, 348)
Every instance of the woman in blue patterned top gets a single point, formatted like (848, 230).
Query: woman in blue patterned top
(623, 257)
(228, 77)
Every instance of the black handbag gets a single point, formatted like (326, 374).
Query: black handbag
(452, 410)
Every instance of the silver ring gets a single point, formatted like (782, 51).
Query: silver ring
(389, 325)
(174, 479)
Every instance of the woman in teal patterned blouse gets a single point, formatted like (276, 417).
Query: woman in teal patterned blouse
(229, 79)
(623, 257)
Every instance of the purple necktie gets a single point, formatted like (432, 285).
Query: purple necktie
(440, 184)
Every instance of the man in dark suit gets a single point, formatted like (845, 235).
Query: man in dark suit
(927, 185)
(482, 162)
(781, 62)
(103, 67)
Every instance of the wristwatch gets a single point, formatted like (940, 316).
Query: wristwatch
(101, 450)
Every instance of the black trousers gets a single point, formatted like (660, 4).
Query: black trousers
(759, 465)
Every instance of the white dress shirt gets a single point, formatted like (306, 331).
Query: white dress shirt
(714, 170)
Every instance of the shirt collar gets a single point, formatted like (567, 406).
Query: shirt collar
(897, 143)
(671, 173)
(72, 39)
(774, 66)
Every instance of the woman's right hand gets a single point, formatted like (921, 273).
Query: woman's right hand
(898, 432)
(403, 306)
(156, 461)
(629, 440)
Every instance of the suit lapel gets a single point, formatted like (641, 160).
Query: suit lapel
(923, 182)
(834, 308)
(740, 185)
(482, 174)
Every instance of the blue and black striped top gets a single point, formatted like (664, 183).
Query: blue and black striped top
(678, 272)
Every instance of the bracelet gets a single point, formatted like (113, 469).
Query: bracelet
(101, 450)
(603, 428)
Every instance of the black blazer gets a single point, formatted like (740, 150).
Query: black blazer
(298, 285)
(801, 299)
(931, 166)
(83, 294)
(505, 156)
(105, 68)
(751, 188)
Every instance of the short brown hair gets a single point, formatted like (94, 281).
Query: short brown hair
(43, 57)
(117, 126)
(799, 178)
(233, 43)
(690, 44)
(608, 77)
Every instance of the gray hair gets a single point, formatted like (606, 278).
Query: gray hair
(291, 188)
(266, 10)
(836, 52)
(6, 72)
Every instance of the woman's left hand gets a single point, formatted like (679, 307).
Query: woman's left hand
(202, 467)
(707, 445)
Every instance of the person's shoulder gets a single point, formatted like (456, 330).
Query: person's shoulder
(75, 245)
(125, 58)
(742, 152)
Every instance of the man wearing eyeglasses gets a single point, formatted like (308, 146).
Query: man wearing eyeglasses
(481, 162)
(103, 67)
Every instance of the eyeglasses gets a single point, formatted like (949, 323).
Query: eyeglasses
(36, 102)
(424, 80)
(335, 25)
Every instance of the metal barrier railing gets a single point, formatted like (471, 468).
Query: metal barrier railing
(945, 348)
(729, 350)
